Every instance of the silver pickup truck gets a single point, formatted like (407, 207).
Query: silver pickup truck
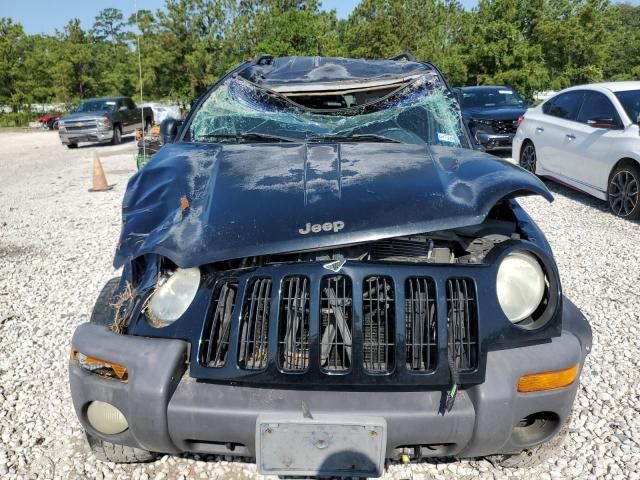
(103, 120)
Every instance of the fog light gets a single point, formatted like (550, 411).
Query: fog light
(106, 418)
(538, 382)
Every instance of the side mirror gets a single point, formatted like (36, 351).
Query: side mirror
(602, 122)
(169, 129)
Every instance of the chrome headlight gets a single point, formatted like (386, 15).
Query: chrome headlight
(173, 295)
(104, 122)
(520, 285)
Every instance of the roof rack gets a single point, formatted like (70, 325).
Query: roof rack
(403, 57)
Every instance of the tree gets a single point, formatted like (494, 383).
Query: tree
(12, 51)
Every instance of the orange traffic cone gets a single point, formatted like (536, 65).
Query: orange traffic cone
(99, 179)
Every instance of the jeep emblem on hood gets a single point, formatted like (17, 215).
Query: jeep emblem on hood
(322, 227)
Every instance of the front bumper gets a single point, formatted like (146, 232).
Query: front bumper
(90, 135)
(169, 411)
(495, 141)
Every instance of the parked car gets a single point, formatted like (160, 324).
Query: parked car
(491, 114)
(588, 138)
(162, 111)
(103, 120)
(49, 122)
(320, 272)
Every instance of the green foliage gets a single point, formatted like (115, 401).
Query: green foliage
(531, 45)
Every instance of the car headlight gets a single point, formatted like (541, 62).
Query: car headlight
(520, 285)
(173, 295)
(104, 122)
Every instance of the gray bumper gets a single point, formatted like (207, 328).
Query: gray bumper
(168, 411)
(93, 135)
(495, 141)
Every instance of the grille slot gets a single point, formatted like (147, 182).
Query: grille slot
(462, 323)
(336, 323)
(215, 345)
(293, 328)
(420, 324)
(254, 325)
(378, 324)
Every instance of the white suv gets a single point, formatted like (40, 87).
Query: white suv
(587, 137)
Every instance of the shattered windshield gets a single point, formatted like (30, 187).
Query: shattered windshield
(240, 111)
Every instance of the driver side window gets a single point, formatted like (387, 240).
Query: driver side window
(565, 105)
(597, 106)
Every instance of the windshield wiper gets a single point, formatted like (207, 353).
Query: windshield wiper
(245, 137)
(368, 137)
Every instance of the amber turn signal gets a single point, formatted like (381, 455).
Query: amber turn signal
(538, 382)
(100, 367)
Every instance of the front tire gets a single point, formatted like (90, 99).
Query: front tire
(103, 312)
(112, 452)
(117, 135)
(623, 192)
(72, 145)
(528, 158)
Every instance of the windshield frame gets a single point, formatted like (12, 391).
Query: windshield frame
(184, 135)
(97, 102)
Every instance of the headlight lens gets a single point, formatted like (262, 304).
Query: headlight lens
(520, 285)
(104, 122)
(173, 296)
(106, 418)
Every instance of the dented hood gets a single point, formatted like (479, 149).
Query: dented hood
(198, 204)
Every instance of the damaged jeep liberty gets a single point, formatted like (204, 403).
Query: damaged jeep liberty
(319, 272)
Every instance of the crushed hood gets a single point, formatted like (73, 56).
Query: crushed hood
(198, 204)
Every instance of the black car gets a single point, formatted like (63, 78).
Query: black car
(491, 113)
(321, 273)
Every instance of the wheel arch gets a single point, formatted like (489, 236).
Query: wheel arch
(620, 163)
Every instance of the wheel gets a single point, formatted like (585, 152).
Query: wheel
(533, 456)
(72, 145)
(117, 135)
(624, 191)
(111, 452)
(102, 313)
(50, 124)
(528, 157)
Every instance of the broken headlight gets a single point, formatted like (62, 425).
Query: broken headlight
(520, 285)
(173, 295)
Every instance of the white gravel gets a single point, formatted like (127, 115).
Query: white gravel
(56, 247)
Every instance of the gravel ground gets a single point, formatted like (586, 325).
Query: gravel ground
(56, 246)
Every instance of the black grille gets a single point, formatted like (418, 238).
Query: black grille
(378, 324)
(293, 328)
(254, 325)
(504, 126)
(420, 324)
(336, 323)
(215, 343)
(462, 323)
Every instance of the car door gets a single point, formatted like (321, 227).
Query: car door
(551, 129)
(132, 114)
(592, 142)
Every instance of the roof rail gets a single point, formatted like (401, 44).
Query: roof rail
(403, 57)
(264, 60)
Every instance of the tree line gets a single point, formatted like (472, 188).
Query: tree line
(531, 45)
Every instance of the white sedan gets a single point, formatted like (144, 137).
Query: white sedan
(588, 138)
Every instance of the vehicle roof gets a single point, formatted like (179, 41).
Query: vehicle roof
(611, 86)
(104, 98)
(317, 73)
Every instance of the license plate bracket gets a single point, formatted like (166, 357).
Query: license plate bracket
(325, 446)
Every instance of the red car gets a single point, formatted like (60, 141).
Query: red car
(50, 122)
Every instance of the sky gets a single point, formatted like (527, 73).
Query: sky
(45, 16)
